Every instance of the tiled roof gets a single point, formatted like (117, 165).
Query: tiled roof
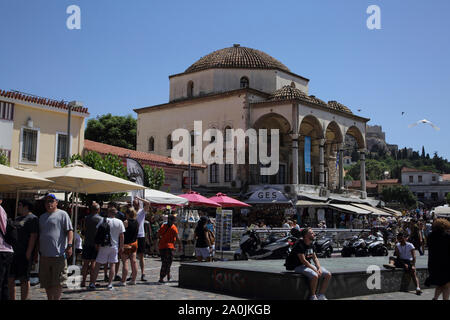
(288, 93)
(237, 57)
(357, 184)
(387, 181)
(405, 169)
(147, 158)
(40, 100)
(338, 106)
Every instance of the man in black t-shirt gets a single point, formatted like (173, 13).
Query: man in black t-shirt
(27, 231)
(300, 259)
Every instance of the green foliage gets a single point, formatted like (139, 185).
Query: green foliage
(110, 164)
(400, 194)
(118, 131)
(4, 159)
(153, 177)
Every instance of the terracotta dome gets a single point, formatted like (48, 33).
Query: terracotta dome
(237, 57)
(338, 106)
(288, 93)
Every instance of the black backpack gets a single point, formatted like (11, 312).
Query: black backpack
(103, 235)
(11, 236)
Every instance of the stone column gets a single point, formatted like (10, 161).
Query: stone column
(321, 163)
(295, 159)
(363, 173)
(341, 167)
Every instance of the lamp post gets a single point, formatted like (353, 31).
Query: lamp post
(193, 134)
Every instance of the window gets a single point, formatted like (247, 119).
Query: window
(292, 84)
(420, 178)
(6, 111)
(169, 142)
(227, 133)
(282, 174)
(411, 179)
(228, 174)
(61, 148)
(190, 89)
(433, 178)
(29, 145)
(151, 144)
(194, 177)
(244, 82)
(214, 173)
(192, 139)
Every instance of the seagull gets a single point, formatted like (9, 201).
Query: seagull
(359, 110)
(403, 113)
(423, 121)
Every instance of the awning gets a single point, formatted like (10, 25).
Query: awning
(305, 203)
(394, 212)
(442, 211)
(312, 197)
(374, 211)
(349, 208)
(268, 196)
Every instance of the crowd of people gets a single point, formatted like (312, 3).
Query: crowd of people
(109, 239)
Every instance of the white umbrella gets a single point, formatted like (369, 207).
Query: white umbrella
(14, 180)
(80, 178)
(160, 197)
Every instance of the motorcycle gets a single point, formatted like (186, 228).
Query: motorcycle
(251, 246)
(376, 246)
(352, 246)
(323, 246)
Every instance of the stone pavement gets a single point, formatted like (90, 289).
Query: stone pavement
(150, 290)
(427, 294)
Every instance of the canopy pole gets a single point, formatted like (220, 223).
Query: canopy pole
(17, 203)
(74, 255)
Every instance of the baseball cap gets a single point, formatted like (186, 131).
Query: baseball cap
(51, 195)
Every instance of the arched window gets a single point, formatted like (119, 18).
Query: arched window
(227, 134)
(190, 89)
(169, 142)
(151, 144)
(244, 82)
(293, 84)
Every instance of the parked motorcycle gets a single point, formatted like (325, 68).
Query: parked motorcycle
(352, 245)
(252, 247)
(323, 246)
(376, 245)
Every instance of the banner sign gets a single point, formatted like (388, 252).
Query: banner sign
(307, 154)
(135, 174)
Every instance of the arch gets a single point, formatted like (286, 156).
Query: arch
(151, 144)
(310, 126)
(273, 121)
(225, 136)
(357, 135)
(190, 89)
(333, 133)
(244, 83)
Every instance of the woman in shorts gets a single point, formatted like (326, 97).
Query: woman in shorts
(202, 241)
(130, 247)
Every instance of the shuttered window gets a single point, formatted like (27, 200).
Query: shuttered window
(6, 111)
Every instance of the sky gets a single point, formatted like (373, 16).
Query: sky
(124, 52)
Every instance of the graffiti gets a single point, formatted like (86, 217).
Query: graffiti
(228, 280)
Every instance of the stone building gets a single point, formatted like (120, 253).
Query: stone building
(244, 88)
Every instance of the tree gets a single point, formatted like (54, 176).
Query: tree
(110, 164)
(400, 194)
(423, 153)
(4, 159)
(118, 131)
(153, 177)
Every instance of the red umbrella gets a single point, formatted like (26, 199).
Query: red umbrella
(228, 202)
(196, 199)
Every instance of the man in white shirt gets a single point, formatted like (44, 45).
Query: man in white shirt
(405, 257)
(109, 254)
(141, 213)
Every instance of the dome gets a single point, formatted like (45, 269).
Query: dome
(338, 106)
(287, 93)
(237, 57)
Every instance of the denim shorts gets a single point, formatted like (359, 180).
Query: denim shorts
(310, 273)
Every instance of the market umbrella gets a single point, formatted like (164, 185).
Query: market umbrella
(14, 180)
(164, 198)
(80, 178)
(228, 202)
(196, 199)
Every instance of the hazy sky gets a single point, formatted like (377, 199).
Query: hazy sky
(125, 51)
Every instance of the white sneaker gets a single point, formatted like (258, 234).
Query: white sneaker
(132, 283)
(110, 287)
(313, 298)
(321, 297)
(122, 284)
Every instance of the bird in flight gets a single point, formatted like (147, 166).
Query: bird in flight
(403, 113)
(359, 110)
(425, 121)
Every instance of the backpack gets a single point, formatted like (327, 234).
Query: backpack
(103, 235)
(11, 236)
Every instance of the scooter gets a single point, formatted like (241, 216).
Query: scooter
(251, 247)
(323, 246)
(376, 246)
(352, 246)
